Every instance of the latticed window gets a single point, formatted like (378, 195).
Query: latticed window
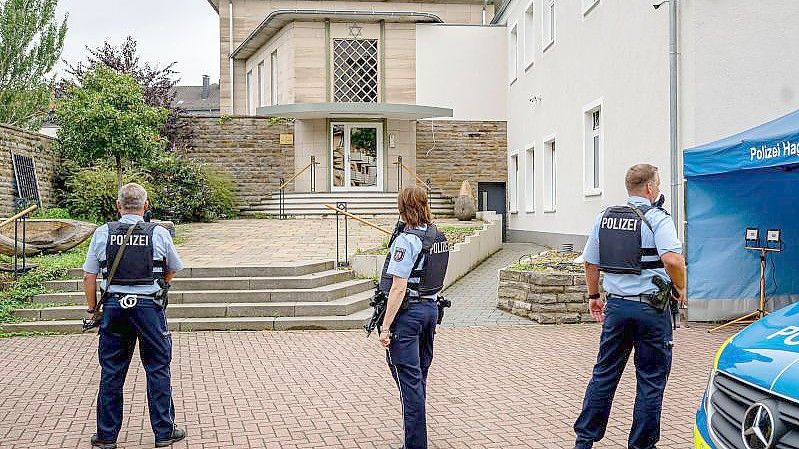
(355, 70)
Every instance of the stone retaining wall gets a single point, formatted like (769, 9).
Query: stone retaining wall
(247, 148)
(452, 151)
(27, 143)
(546, 297)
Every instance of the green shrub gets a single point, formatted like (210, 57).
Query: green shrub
(53, 212)
(187, 191)
(91, 193)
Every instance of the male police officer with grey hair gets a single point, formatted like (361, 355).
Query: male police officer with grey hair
(633, 245)
(137, 260)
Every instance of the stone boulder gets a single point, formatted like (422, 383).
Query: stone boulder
(465, 207)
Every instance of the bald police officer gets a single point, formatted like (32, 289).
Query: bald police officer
(133, 310)
(631, 244)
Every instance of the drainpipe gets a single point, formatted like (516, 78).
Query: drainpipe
(230, 53)
(675, 150)
(485, 9)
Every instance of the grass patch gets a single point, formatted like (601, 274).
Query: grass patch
(455, 234)
(549, 261)
(17, 294)
(181, 233)
(25, 334)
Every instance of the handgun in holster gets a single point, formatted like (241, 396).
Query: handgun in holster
(667, 296)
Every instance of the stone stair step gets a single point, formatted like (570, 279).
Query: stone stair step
(312, 280)
(277, 270)
(338, 307)
(352, 321)
(317, 294)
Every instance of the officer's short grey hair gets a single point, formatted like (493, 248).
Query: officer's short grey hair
(132, 197)
(638, 176)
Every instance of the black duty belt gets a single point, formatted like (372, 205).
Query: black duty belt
(646, 297)
(415, 300)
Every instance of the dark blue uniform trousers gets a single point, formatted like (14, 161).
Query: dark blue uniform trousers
(409, 356)
(628, 325)
(119, 330)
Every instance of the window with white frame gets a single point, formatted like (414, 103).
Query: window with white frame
(588, 5)
(548, 24)
(273, 83)
(513, 195)
(530, 180)
(592, 152)
(529, 36)
(513, 53)
(550, 176)
(261, 83)
(250, 93)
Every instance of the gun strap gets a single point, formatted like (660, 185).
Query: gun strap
(115, 264)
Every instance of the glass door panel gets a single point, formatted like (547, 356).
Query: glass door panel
(339, 161)
(356, 156)
(363, 157)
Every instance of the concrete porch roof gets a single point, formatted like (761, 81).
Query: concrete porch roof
(276, 20)
(354, 110)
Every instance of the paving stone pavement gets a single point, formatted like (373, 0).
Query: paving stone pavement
(474, 296)
(261, 241)
(490, 387)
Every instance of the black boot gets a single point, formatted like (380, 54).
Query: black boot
(96, 442)
(177, 435)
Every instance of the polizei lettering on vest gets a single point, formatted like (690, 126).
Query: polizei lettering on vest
(621, 224)
(439, 247)
(135, 240)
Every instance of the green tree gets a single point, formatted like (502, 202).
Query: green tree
(31, 41)
(107, 117)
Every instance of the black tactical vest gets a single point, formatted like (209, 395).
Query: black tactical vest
(620, 250)
(434, 258)
(136, 267)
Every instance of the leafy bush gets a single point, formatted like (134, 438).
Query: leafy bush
(91, 193)
(186, 191)
(53, 212)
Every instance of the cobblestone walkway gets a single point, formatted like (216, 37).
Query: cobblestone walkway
(499, 387)
(474, 296)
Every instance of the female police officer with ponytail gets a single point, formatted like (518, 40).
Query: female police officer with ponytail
(413, 274)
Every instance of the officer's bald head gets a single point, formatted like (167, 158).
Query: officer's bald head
(639, 176)
(131, 199)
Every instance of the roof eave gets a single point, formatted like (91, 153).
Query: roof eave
(326, 14)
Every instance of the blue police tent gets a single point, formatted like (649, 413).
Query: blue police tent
(741, 181)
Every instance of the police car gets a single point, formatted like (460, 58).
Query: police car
(752, 397)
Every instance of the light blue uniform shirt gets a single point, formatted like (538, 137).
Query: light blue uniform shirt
(662, 236)
(163, 247)
(404, 251)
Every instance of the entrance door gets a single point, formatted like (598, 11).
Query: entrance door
(491, 196)
(356, 156)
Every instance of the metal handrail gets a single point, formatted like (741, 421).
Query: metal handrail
(410, 171)
(313, 162)
(282, 189)
(19, 215)
(357, 218)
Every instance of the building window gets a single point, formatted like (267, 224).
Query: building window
(530, 180)
(261, 83)
(588, 6)
(529, 36)
(273, 78)
(592, 151)
(513, 195)
(250, 98)
(355, 73)
(513, 53)
(549, 24)
(550, 176)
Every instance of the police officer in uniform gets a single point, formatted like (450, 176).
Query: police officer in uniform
(631, 244)
(133, 310)
(412, 276)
